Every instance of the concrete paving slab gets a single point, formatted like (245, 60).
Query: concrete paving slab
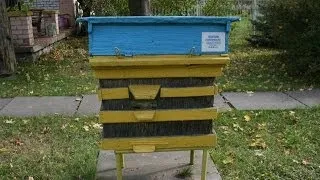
(153, 166)
(220, 103)
(309, 97)
(39, 106)
(262, 100)
(4, 102)
(90, 105)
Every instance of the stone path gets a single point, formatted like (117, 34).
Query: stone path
(154, 166)
(89, 104)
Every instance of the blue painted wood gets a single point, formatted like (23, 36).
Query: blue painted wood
(154, 35)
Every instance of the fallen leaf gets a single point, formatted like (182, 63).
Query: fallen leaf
(228, 160)
(64, 126)
(250, 93)
(292, 113)
(237, 127)
(305, 162)
(295, 161)
(97, 126)
(247, 118)
(86, 128)
(18, 142)
(258, 143)
(224, 127)
(9, 121)
(258, 153)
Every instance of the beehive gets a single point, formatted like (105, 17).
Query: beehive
(156, 78)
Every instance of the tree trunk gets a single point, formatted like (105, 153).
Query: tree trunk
(7, 56)
(139, 7)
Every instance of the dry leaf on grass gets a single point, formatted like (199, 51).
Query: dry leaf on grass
(247, 118)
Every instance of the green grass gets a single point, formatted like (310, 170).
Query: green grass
(272, 145)
(65, 71)
(48, 148)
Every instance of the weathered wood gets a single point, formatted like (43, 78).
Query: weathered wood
(7, 55)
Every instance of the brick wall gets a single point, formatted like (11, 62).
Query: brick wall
(47, 4)
(22, 31)
(68, 7)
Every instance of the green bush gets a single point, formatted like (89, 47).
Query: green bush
(294, 26)
(219, 8)
(173, 7)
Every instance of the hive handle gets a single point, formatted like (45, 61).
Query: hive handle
(143, 148)
(144, 115)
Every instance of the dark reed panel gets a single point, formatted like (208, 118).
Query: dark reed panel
(164, 82)
(148, 129)
(159, 103)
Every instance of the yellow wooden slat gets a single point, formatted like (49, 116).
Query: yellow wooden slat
(159, 72)
(159, 143)
(114, 61)
(144, 91)
(113, 93)
(188, 91)
(158, 116)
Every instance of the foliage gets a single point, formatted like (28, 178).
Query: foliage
(294, 26)
(173, 7)
(219, 7)
(110, 7)
(21, 5)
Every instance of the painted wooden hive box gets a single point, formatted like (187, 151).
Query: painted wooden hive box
(156, 78)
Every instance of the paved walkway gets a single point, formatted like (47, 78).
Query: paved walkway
(89, 104)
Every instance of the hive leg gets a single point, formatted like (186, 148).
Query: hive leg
(191, 157)
(118, 165)
(122, 161)
(204, 164)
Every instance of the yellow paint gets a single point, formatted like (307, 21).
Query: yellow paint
(113, 93)
(151, 91)
(188, 91)
(119, 166)
(159, 71)
(144, 148)
(160, 143)
(144, 91)
(204, 164)
(158, 116)
(144, 115)
(113, 61)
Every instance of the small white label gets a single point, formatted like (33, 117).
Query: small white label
(213, 42)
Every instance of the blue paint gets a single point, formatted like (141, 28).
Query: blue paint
(153, 35)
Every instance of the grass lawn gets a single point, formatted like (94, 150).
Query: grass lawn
(269, 145)
(65, 71)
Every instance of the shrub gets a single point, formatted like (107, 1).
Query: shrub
(219, 8)
(294, 26)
